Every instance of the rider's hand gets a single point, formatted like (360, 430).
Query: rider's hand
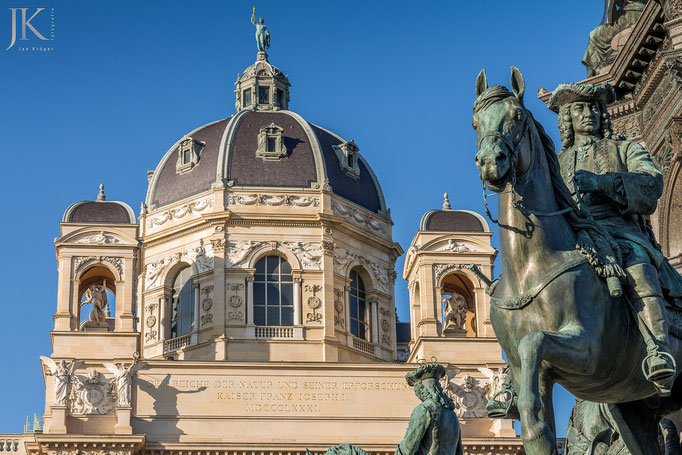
(587, 182)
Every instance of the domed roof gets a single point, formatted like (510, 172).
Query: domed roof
(449, 220)
(231, 151)
(99, 211)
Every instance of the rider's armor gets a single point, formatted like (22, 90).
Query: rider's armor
(629, 188)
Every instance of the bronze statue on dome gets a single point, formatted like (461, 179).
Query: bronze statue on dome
(262, 34)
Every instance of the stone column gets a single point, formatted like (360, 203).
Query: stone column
(219, 307)
(298, 303)
(374, 321)
(164, 313)
(119, 291)
(249, 301)
(124, 297)
(197, 308)
(75, 311)
(66, 286)
(346, 304)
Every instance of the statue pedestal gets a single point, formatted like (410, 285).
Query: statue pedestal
(503, 428)
(123, 421)
(262, 56)
(454, 331)
(58, 424)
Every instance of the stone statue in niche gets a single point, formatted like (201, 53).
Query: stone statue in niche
(62, 373)
(433, 427)
(454, 313)
(96, 294)
(123, 379)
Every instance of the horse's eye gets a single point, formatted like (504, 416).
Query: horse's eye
(519, 116)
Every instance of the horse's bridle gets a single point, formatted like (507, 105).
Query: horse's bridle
(514, 151)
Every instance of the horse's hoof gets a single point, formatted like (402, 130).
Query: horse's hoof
(539, 440)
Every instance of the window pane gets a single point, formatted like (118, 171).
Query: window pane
(259, 293)
(287, 294)
(362, 330)
(247, 97)
(353, 307)
(271, 145)
(353, 279)
(287, 315)
(272, 295)
(361, 311)
(260, 270)
(263, 93)
(285, 267)
(259, 315)
(273, 315)
(354, 327)
(273, 268)
(361, 285)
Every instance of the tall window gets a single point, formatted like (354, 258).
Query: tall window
(273, 288)
(358, 306)
(182, 304)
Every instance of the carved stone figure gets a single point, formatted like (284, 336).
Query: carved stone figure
(123, 378)
(262, 34)
(202, 259)
(96, 294)
(495, 380)
(617, 181)
(433, 428)
(310, 253)
(455, 312)
(556, 309)
(620, 15)
(240, 251)
(62, 373)
(92, 395)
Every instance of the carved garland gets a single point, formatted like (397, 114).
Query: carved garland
(382, 275)
(79, 262)
(181, 212)
(442, 269)
(357, 217)
(274, 200)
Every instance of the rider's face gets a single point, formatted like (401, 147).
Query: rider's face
(585, 117)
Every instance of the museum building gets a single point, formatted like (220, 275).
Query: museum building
(251, 307)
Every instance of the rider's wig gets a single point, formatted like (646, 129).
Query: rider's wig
(430, 389)
(566, 124)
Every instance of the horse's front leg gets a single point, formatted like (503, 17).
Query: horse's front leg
(565, 350)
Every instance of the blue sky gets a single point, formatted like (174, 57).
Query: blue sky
(126, 79)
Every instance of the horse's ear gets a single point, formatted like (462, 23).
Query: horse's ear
(481, 83)
(517, 83)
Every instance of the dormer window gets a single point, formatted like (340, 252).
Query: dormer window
(271, 143)
(279, 94)
(247, 97)
(188, 154)
(347, 153)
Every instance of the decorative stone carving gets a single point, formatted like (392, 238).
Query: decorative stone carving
(234, 315)
(327, 247)
(123, 379)
(343, 257)
(469, 396)
(314, 303)
(495, 380)
(664, 158)
(358, 217)
(92, 395)
(239, 251)
(442, 269)
(235, 301)
(62, 374)
(308, 253)
(455, 247)
(97, 239)
(181, 212)
(626, 126)
(151, 321)
(274, 200)
(206, 305)
(203, 258)
(218, 245)
(339, 320)
(79, 262)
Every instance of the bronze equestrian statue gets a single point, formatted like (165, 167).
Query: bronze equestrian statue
(557, 308)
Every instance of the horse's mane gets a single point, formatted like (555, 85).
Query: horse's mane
(592, 239)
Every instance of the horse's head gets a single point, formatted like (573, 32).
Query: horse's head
(501, 121)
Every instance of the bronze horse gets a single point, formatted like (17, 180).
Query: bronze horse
(553, 315)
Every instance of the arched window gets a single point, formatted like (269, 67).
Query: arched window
(273, 288)
(358, 306)
(182, 304)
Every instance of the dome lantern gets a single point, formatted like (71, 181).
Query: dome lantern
(262, 87)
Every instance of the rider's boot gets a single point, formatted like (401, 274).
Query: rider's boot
(646, 297)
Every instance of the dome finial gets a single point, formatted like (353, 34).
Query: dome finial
(101, 196)
(446, 202)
